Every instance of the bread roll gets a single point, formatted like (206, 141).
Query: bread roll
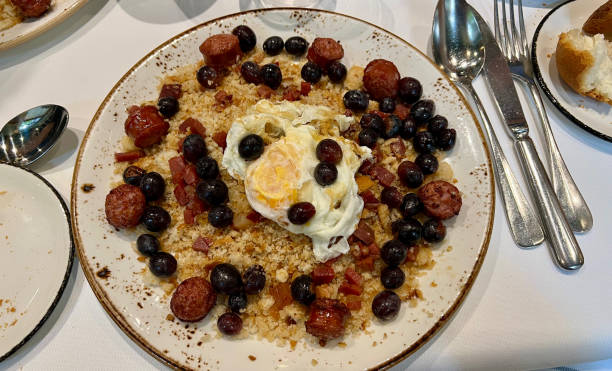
(600, 21)
(585, 64)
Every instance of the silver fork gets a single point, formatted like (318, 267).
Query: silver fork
(513, 43)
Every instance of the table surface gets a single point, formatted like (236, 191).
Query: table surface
(522, 312)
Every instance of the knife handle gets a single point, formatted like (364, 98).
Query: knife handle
(564, 246)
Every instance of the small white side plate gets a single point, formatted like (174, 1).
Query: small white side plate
(36, 253)
(589, 114)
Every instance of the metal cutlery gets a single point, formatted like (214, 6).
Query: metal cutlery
(513, 42)
(460, 52)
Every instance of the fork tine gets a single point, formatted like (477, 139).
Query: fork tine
(526, 50)
(508, 43)
(498, 35)
(515, 41)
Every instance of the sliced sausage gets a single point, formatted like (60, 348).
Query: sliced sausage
(124, 206)
(145, 126)
(193, 299)
(323, 51)
(441, 199)
(32, 8)
(221, 50)
(380, 79)
(327, 319)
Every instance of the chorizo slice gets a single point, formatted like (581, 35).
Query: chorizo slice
(193, 299)
(380, 79)
(32, 8)
(323, 51)
(145, 126)
(327, 319)
(440, 199)
(124, 206)
(221, 50)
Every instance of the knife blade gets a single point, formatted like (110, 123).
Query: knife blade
(561, 240)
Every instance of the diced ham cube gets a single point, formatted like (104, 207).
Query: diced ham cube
(349, 289)
(305, 88)
(366, 167)
(195, 126)
(398, 148)
(401, 111)
(369, 199)
(223, 98)
(366, 264)
(322, 274)
(264, 91)
(170, 90)
(190, 176)
(352, 276)
(374, 249)
(188, 216)
(181, 195)
(220, 138)
(291, 94)
(177, 168)
(353, 304)
(384, 176)
(201, 244)
(364, 233)
(128, 156)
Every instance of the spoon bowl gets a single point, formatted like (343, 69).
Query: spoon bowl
(31, 134)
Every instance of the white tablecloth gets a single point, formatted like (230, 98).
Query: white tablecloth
(523, 312)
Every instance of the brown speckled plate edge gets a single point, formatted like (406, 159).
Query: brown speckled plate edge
(122, 323)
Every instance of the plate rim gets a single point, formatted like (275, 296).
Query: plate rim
(44, 27)
(540, 79)
(66, 277)
(118, 318)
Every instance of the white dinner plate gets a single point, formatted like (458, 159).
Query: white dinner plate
(589, 114)
(35, 256)
(32, 27)
(113, 267)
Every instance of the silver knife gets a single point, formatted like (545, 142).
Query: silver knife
(561, 239)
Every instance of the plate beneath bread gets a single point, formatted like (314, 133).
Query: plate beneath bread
(589, 114)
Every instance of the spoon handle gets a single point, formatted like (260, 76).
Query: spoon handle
(524, 223)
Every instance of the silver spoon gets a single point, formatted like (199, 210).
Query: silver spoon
(458, 49)
(29, 135)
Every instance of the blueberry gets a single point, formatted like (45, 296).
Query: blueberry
(392, 277)
(246, 37)
(208, 77)
(229, 323)
(325, 173)
(250, 72)
(409, 128)
(271, 75)
(410, 174)
(393, 252)
(436, 124)
(133, 175)
(427, 162)
(433, 230)
(355, 100)
(194, 148)
(445, 139)
(386, 305)
(226, 279)
(301, 290)
(214, 192)
(168, 106)
(153, 186)
(424, 142)
(273, 45)
(220, 216)
(311, 73)
(207, 168)
(147, 244)
(394, 126)
(422, 111)
(328, 150)
(301, 212)
(374, 122)
(387, 105)
(254, 279)
(251, 147)
(155, 218)
(336, 72)
(408, 231)
(391, 197)
(162, 264)
(409, 90)
(296, 45)
(411, 205)
(237, 302)
(368, 138)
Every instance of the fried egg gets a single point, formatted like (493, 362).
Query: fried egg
(284, 174)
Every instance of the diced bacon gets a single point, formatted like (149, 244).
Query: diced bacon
(352, 276)
(369, 199)
(349, 289)
(223, 98)
(180, 145)
(353, 304)
(197, 206)
(322, 274)
(411, 255)
(254, 216)
(374, 249)
(378, 154)
(366, 264)
(305, 88)
(170, 90)
(177, 168)
(190, 176)
(188, 216)
(128, 156)
(384, 176)
(202, 244)
(364, 233)
(195, 126)
(398, 148)
(401, 111)
(181, 195)
(291, 94)
(331, 261)
(264, 91)
(220, 138)
(366, 167)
